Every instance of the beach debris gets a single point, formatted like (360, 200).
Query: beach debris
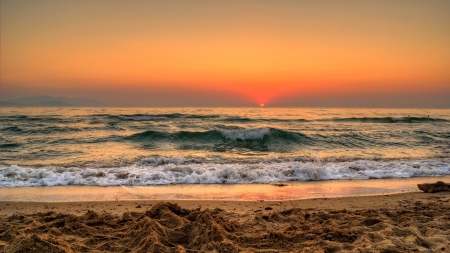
(436, 187)
(403, 202)
(138, 206)
(307, 215)
(279, 184)
(268, 208)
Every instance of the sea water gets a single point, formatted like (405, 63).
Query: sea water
(161, 146)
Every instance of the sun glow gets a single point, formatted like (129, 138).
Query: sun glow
(261, 105)
(164, 53)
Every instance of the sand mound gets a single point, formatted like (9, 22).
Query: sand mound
(167, 227)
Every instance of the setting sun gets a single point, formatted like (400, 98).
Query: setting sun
(262, 105)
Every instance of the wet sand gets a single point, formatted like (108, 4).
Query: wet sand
(275, 191)
(406, 222)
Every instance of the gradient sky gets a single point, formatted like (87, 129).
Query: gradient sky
(384, 53)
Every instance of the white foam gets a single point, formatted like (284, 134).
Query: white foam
(245, 134)
(183, 172)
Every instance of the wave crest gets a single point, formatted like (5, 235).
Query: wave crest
(389, 120)
(185, 172)
(151, 117)
(245, 134)
(141, 118)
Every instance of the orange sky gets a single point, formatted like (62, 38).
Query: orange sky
(225, 53)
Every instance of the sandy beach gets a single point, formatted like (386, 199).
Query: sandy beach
(405, 222)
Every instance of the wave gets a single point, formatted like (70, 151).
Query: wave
(388, 120)
(12, 129)
(43, 130)
(245, 120)
(223, 140)
(152, 117)
(141, 118)
(245, 134)
(216, 117)
(214, 173)
(219, 134)
(238, 119)
(9, 145)
(228, 138)
(159, 117)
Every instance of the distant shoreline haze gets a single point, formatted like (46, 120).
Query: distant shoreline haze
(207, 100)
(49, 101)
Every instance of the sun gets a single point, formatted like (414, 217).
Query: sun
(261, 105)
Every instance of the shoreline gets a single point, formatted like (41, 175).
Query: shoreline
(117, 207)
(232, 192)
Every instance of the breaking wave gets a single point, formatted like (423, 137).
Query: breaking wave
(179, 171)
(264, 134)
(245, 134)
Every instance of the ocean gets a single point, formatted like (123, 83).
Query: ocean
(167, 146)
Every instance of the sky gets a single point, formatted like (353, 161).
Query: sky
(384, 53)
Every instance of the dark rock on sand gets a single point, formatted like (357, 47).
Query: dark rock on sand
(439, 186)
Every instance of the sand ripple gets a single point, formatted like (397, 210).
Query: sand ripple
(166, 227)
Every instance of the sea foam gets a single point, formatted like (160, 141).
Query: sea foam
(180, 171)
(245, 134)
